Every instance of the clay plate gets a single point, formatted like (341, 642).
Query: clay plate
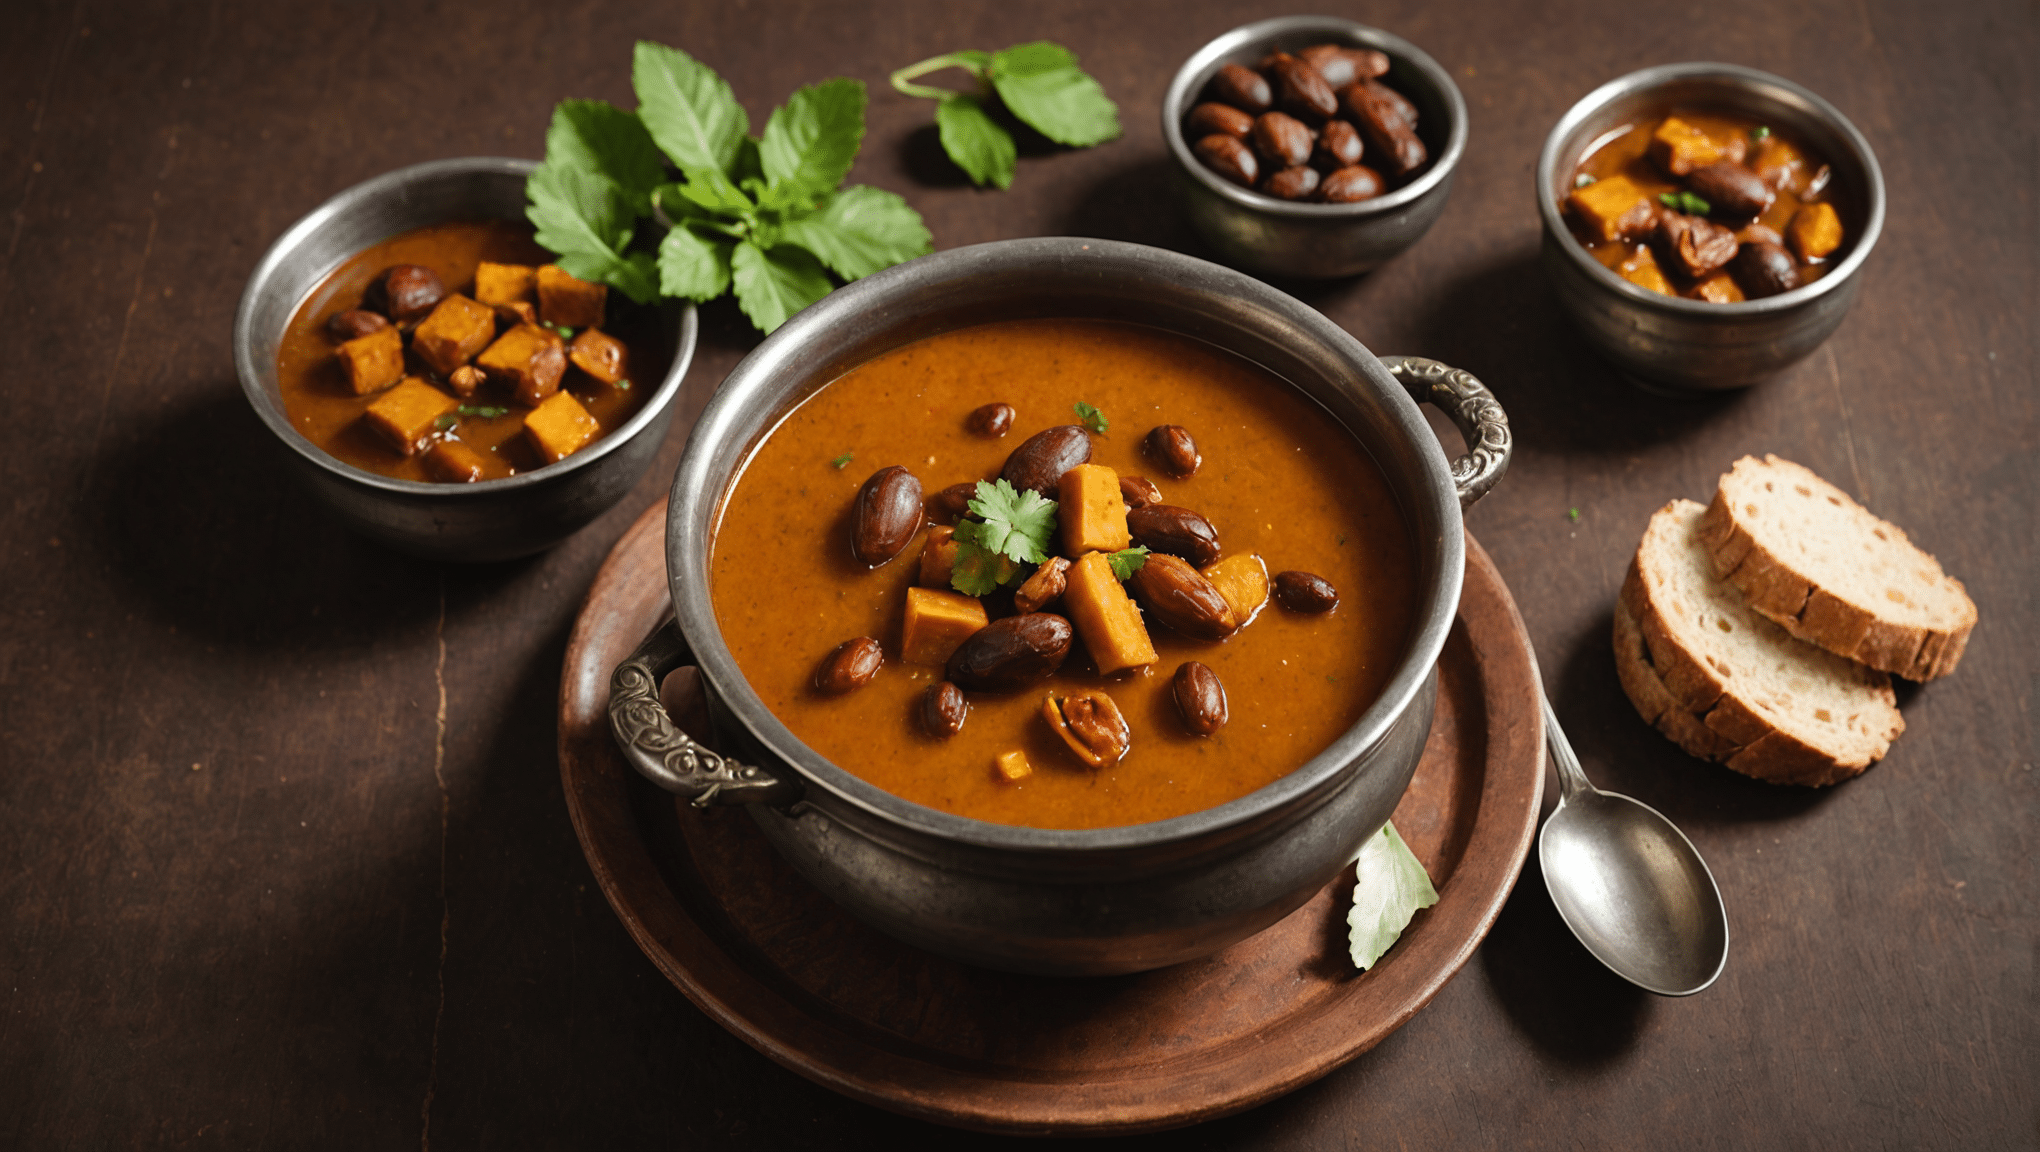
(779, 965)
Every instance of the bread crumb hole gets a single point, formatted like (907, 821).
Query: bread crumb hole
(1749, 509)
(1835, 500)
(1802, 489)
(1894, 595)
(1724, 625)
(1879, 533)
(1821, 714)
(1768, 487)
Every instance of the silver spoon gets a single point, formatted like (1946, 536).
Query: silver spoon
(1628, 883)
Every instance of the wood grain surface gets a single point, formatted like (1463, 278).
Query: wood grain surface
(284, 859)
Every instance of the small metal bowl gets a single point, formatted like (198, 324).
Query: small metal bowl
(1669, 342)
(488, 520)
(1272, 237)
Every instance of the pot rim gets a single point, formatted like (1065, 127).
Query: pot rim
(256, 379)
(1193, 71)
(1737, 78)
(698, 501)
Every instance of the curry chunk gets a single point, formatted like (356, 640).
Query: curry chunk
(1091, 724)
(1815, 231)
(1641, 268)
(938, 623)
(405, 415)
(1777, 163)
(373, 362)
(1242, 579)
(1105, 616)
(1012, 767)
(529, 360)
(1605, 206)
(452, 462)
(598, 354)
(1719, 288)
(559, 426)
(457, 329)
(1091, 510)
(1679, 147)
(504, 283)
(938, 557)
(569, 302)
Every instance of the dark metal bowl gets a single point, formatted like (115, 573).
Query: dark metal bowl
(1694, 345)
(1277, 237)
(1074, 902)
(489, 520)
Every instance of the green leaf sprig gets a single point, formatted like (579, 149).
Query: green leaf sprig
(764, 215)
(1039, 83)
(1013, 527)
(1090, 417)
(1127, 561)
(1687, 202)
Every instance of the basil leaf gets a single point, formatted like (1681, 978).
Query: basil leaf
(774, 284)
(1042, 85)
(596, 136)
(810, 143)
(711, 190)
(975, 142)
(861, 230)
(1390, 885)
(586, 220)
(693, 265)
(689, 109)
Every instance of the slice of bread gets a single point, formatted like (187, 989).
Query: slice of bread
(1828, 571)
(1729, 685)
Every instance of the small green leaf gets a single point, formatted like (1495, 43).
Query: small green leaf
(596, 136)
(1091, 417)
(1390, 885)
(810, 142)
(1687, 202)
(975, 142)
(712, 192)
(693, 265)
(773, 284)
(1042, 85)
(1019, 524)
(1127, 561)
(1573, 514)
(861, 230)
(843, 461)
(689, 109)
(487, 411)
(1759, 132)
(443, 423)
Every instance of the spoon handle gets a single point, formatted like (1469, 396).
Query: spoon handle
(1571, 779)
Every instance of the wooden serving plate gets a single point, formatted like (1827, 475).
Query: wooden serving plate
(802, 981)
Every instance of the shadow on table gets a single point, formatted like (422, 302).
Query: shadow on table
(1140, 205)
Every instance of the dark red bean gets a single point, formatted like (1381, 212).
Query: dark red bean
(1176, 531)
(1229, 158)
(1139, 491)
(1764, 269)
(1292, 184)
(1224, 119)
(850, 666)
(1243, 88)
(1012, 653)
(1039, 462)
(943, 709)
(991, 421)
(1300, 90)
(412, 291)
(1351, 185)
(1171, 446)
(1200, 698)
(1304, 592)
(1338, 146)
(887, 514)
(355, 323)
(1281, 140)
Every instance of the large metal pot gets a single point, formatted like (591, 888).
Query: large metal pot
(1068, 902)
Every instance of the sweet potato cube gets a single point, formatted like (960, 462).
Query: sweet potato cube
(1678, 147)
(598, 354)
(404, 416)
(1815, 231)
(453, 462)
(504, 283)
(1105, 616)
(1600, 206)
(1242, 579)
(559, 426)
(528, 359)
(1641, 268)
(938, 557)
(457, 329)
(1012, 767)
(1091, 510)
(373, 362)
(938, 622)
(1719, 288)
(568, 302)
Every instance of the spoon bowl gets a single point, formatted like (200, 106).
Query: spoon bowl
(1629, 884)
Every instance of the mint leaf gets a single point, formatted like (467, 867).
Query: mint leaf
(1127, 561)
(773, 284)
(1091, 417)
(861, 230)
(1042, 85)
(693, 265)
(596, 136)
(1390, 885)
(689, 109)
(1016, 524)
(975, 142)
(712, 191)
(810, 142)
(586, 220)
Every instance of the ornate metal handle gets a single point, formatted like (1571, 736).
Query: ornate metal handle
(664, 754)
(1473, 411)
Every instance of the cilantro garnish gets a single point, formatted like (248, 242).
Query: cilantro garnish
(1127, 561)
(1573, 514)
(1759, 132)
(1039, 83)
(1685, 202)
(488, 410)
(446, 422)
(763, 215)
(1013, 528)
(1092, 418)
(843, 461)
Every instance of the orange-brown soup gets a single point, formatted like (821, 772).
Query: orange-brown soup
(1280, 478)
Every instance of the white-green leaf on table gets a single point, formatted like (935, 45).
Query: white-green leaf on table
(1042, 85)
(975, 142)
(861, 230)
(596, 136)
(693, 265)
(774, 284)
(810, 142)
(689, 109)
(1390, 884)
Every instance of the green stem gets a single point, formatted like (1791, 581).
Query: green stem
(963, 60)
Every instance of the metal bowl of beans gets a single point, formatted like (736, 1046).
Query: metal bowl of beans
(1669, 342)
(1258, 228)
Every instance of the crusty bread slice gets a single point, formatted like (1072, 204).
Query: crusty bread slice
(1828, 571)
(1763, 703)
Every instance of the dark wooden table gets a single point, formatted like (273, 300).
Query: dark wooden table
(284, 860)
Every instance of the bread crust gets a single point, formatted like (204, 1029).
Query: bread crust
(1797, 603)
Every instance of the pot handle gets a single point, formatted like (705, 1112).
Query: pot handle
(1473, 411)
(665, 755)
